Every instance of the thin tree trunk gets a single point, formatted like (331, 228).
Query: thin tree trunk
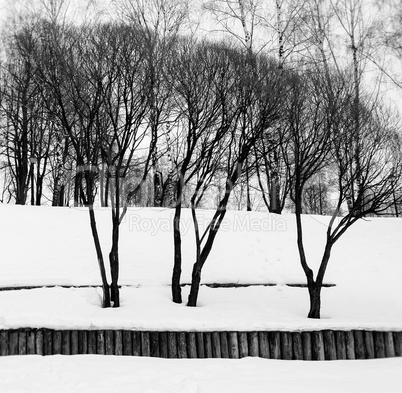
(315, 300)
(176, 289)
(114, 263)
(32, 180)
(95, 235)
(249, 205)
(60, 202)
(21, 192)
(39, 189)
(107, 184)
(77, 188)
(114, 252)
(195, 284)
(102, 185)
(197, 268)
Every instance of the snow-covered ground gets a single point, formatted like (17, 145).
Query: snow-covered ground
(105, 374)
(53, 246)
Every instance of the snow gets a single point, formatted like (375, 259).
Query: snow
(92, 373)
(53, 246)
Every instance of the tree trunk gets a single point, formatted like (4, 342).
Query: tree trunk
(58, 192)
(61, 195)
(196, 275)
(195, 284)
(248, 196)
(21, 192)
(102, 185)
(39, 188)
(105, 285)
(95, 235)
(77, 188)
(176, 289)
(157, 189)
(315, 300)
(275, 204)
(114, 263)
(32, 180)
(107, 185)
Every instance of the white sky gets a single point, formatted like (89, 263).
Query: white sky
(392, 94)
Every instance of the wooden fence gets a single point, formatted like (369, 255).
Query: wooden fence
(315, 345)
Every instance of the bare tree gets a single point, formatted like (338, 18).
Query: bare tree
(27, 134)
(194, 78)
(321, 127)
(65, 69)
(121, 71)
(159, 23)
(258, 103)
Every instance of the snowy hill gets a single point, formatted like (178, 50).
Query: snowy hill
(53, 246)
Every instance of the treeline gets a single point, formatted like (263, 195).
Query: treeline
(126, 112)
(62, 80)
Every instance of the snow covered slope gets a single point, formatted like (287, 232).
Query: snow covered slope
(53, 246)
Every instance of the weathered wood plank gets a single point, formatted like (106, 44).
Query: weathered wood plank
(13, 342)
(369, 344)
(83, 342)
(31, 347)
(200, 345)
(3, 342)
(118, 342)
(74, 342)
(224, 345)
(22, 342)
(317, 341)
(191, 345)
(154, 344)
(92, 342)
(275, 345)
(47, 342)
(127, 343)
(182, 345)
(136, 343)
(286, 345)
(263, 344)
(379, 344)
(39, 342)
(398, 343)
(100, 342)
(329, 345)
(297, 346)
(145, 344)
(253, 347)
(109, 342)
(163, 345)
(350, 345)
(233, 345)
(216, 345)
(360, 350)
(208, 345)
(340, 345)
(172, 345)
(307, 346)
(66, 342)
(389, 345)
(57, 342)
(243, 344)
